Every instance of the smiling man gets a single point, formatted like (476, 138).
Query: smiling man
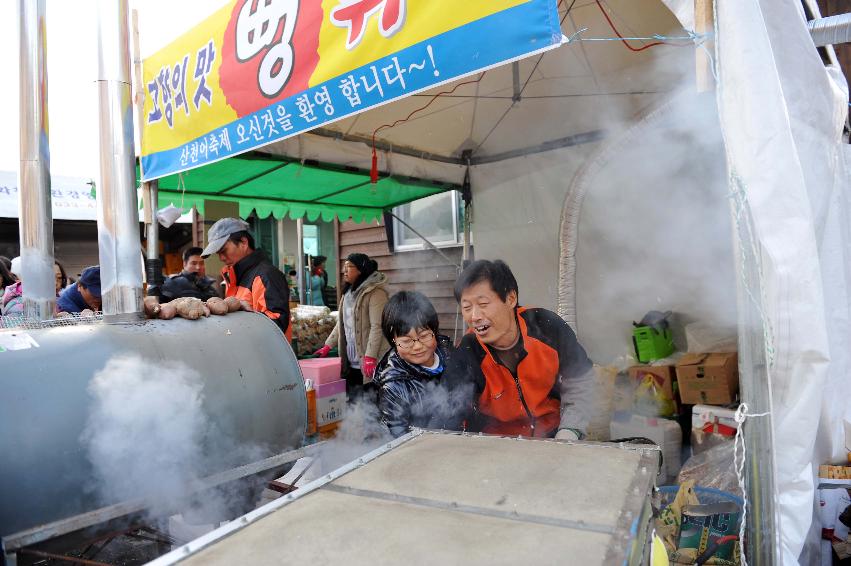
(248, 275)
(530, 375)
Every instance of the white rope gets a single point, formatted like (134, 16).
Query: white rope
(740, 417)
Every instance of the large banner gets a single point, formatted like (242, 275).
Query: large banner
(258, 71)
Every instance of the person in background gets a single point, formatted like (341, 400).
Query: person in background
(530, 375)
(6, 277)
(190, 282)
(60, 276)
(82, 295)
(408, 376)
(248, 274)
(318, 280)
(357, 333)
(12, 302)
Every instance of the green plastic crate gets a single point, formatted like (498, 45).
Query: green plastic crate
(651, 344)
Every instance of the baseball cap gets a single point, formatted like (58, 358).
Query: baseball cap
(219, 233)
(16, 266)
(90, 279)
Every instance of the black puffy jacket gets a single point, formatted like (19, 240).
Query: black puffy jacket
(188, 284)
(408, 395)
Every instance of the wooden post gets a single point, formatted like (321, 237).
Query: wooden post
(704, 22)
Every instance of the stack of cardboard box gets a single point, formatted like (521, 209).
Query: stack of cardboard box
(330, 393)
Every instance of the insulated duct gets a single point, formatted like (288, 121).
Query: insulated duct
(118, 221)
(35, 214)
(831, 30)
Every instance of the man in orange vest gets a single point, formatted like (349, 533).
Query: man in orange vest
(529, 374)
(248, 274)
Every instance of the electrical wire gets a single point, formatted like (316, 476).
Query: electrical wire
(623, 39)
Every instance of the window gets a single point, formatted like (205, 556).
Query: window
(440, 218)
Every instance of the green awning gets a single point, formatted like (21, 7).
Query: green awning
(281, 186)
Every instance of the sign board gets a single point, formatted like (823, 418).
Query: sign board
(72, 198)
(256, 72)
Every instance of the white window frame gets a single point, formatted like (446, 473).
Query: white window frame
(420, 245)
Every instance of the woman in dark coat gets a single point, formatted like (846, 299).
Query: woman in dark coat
(409, 375)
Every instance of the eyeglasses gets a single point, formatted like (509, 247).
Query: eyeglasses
(406, 342)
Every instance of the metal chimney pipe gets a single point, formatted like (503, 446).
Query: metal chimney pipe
(35, 221)
(118, 217)
(832, 30)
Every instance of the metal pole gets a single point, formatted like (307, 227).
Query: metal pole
(755, 389)
(35, 222)
(299, 260)
(118, 220)
(832, 30)
(282, 257)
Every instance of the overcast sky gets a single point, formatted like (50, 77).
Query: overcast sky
(72, 71)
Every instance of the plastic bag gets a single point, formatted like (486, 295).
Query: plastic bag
(712, 468)
(168, 215)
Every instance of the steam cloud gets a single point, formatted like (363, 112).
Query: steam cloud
(148, 437)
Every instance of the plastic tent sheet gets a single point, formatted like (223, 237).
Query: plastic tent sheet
(782, 114)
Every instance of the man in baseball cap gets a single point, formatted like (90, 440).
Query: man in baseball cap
(248, 274)
(219, 233)
(84, 294)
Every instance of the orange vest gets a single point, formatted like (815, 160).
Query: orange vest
(255, 296)
(524, 406)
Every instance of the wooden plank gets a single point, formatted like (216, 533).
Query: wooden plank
(704, 22)
(402, 262)
(431, 289)
(364, 236)
(374, 250)
(416, 275)
(348, 225)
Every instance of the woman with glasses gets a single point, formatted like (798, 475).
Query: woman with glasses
(408, 377)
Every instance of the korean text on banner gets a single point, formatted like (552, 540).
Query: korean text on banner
(258, 72)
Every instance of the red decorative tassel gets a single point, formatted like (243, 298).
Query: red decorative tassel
(373, 173)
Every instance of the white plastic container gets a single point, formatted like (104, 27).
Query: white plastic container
(666, 433)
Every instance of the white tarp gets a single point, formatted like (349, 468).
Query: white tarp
(782, 114)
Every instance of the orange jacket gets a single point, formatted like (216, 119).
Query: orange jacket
(551, 388)
(255, 280)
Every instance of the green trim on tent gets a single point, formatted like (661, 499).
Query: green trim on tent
(281, 186)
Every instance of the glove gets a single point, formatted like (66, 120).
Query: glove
(566, 434)
(323, 351)
(367, 367)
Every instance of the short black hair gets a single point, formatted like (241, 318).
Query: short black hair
(496, 272)
(191, 252)
(237, 237)
(406, 311)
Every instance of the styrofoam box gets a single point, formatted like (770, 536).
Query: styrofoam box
(321, 370)
(666, 433)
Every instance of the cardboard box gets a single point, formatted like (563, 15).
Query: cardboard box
(708, 379)
(330, 409)
(664, 379)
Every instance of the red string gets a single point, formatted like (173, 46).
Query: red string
(374, 170)
(614, 29)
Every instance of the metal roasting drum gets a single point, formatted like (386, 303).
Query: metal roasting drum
(252, 390)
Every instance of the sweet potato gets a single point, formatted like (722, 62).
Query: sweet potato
(217, 306)
(233, 304)
(167, 311)
(190, 308)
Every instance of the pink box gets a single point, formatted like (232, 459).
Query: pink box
(330, 389)
(321, 370)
